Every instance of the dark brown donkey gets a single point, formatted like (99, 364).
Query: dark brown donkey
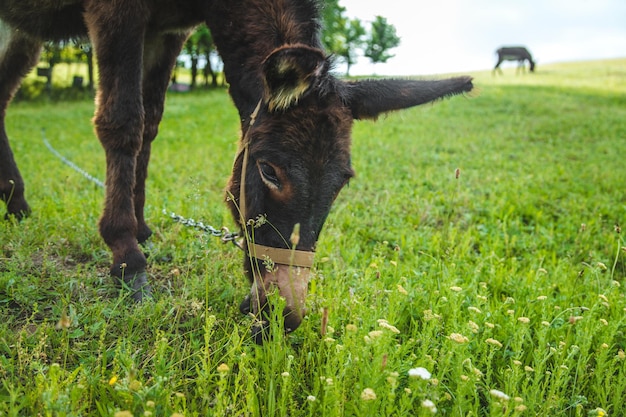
(296, 119)
(514, 53)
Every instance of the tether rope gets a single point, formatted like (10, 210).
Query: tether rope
(223, 233)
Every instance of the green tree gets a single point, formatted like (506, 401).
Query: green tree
(341, 36)
(200, 45)
(333, 25)
(191, 48)
(381, 38)
(52, 54)
(206, 48)
(353, 42)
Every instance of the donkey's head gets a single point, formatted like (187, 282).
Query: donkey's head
(294, 160)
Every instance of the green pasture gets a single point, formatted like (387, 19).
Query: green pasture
(474, 267)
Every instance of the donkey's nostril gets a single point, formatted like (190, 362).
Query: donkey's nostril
(246, 305)
(260, 333)
(292, 319)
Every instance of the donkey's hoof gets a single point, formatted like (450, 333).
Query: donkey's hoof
(18, 215)
(138, 286)
(141, 289)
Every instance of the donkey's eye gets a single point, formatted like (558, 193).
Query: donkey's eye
(268, 174)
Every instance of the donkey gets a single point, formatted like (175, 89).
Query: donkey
(296, 119)
(514, 53)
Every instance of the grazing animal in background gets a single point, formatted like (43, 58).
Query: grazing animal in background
(296, 121)
(514, 53)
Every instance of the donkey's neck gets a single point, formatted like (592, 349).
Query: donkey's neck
(247, 31)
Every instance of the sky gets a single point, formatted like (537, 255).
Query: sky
(443, 36)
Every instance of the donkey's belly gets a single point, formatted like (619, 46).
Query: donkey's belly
(45, 19)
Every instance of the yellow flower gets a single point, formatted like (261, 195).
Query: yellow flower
(494, 342)
(473, 326)
(385, 325)
(223, 368)
(375, 334)
(458, 338)
(368, 394)
(113, 380)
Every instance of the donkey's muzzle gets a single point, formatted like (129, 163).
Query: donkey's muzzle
(291, 282)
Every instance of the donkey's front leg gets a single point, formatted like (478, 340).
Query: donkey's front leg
(119, 121)
(160, 53)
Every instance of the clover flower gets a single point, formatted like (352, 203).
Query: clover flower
(419, 372)
(429, 405)
(499, 395)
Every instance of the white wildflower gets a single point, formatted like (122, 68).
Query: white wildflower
(420, 372)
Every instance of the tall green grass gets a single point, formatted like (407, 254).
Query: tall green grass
(475, 266)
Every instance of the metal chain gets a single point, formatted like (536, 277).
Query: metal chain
(70, 163)
(223, 233)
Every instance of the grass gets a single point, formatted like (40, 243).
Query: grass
(480, 241)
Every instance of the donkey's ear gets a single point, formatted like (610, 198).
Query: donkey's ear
(288, 72)
(369, 98)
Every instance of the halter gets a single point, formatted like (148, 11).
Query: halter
(280, 256)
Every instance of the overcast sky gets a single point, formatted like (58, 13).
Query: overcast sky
(440, 36)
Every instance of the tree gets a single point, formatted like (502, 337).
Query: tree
(200, 47)
(333, 25)
(192, 48)
(381, 38)
(341, 36)
(353, 42)
(206, 48)
(52, 54)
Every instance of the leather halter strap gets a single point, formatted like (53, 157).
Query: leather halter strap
(279, 256)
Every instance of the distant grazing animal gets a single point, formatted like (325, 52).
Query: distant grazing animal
(296, 121)
(514, 53)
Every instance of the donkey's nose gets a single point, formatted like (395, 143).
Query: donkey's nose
(292, 284)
